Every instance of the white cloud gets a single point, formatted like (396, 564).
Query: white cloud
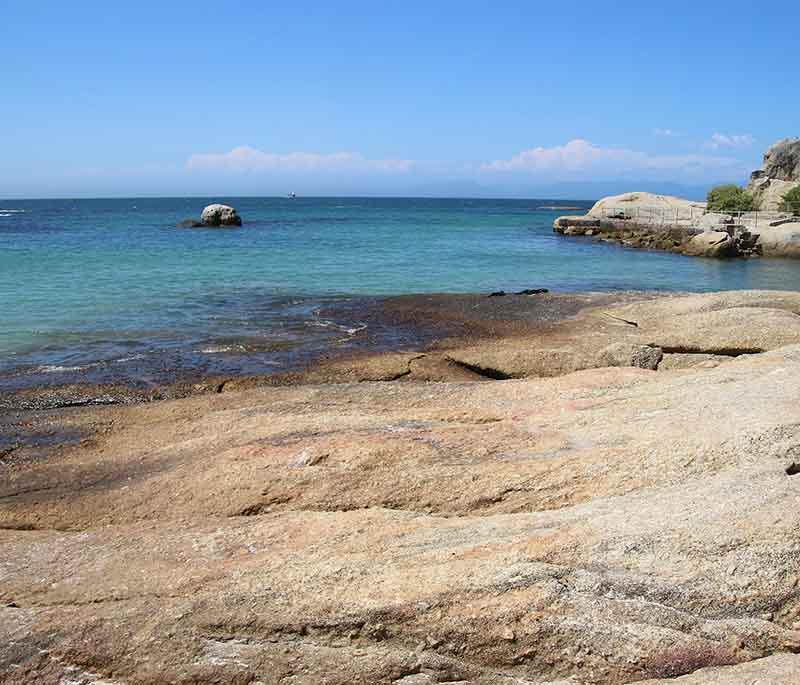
(578, 157)
(248, 159)
(721, 140)
(667, 133)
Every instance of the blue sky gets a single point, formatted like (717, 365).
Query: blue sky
(451, 98)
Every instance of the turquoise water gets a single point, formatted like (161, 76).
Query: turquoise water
(88, 281)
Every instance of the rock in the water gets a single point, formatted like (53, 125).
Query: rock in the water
(711, 244)
(190, 223)
(220, 215)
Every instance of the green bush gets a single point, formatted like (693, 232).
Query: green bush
(791, 201)
(730, 198)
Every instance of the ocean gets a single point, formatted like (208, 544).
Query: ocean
(114, 289)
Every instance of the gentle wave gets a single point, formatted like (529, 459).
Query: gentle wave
(14, 211)
(56, 368)
(53, 368)
(122, 360)
(222, 349)
(325, 323)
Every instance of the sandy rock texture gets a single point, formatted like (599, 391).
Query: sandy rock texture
(603, 517)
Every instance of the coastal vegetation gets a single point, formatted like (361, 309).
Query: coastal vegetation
(730, 198)
(791, 201)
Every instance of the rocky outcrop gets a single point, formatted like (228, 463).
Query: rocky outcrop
(782, 239)
(671, 223)
(643, 210)
(220, 215)
(649, 209)
(711, 244)
(640, 220)
(609, 526)
(782, 161)
(779, 174)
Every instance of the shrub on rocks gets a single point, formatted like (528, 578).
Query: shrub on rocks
(730, 198)
(791, 201)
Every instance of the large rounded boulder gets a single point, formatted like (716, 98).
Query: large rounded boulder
(711, 244)
(220, 215)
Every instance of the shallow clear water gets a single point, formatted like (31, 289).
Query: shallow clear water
(83, 281)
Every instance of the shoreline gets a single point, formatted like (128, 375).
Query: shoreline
(423, 322)
(36, 420)
(550, 464)
(672, 224)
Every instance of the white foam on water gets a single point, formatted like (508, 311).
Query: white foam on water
(221, 349)
(349, 331)
(129, 359)
(53, 368)
(13, 211)
(323, 323)
(215, 350)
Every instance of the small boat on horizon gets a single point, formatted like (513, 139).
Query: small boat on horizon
(292, 196)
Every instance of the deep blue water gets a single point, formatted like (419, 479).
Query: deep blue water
(85, 282)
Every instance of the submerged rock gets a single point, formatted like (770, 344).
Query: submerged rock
(190, 223)
(220, 215)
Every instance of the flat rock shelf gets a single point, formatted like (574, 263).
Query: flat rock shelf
(609, 496)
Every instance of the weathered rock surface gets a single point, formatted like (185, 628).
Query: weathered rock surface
(711, 244)
(648, 208)
(769, 192)
(780, 669)
(726, 324)
(782, 160)
(628, 354)
(780, 173)
(782, 240)
(610, 525)
(220, 215)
